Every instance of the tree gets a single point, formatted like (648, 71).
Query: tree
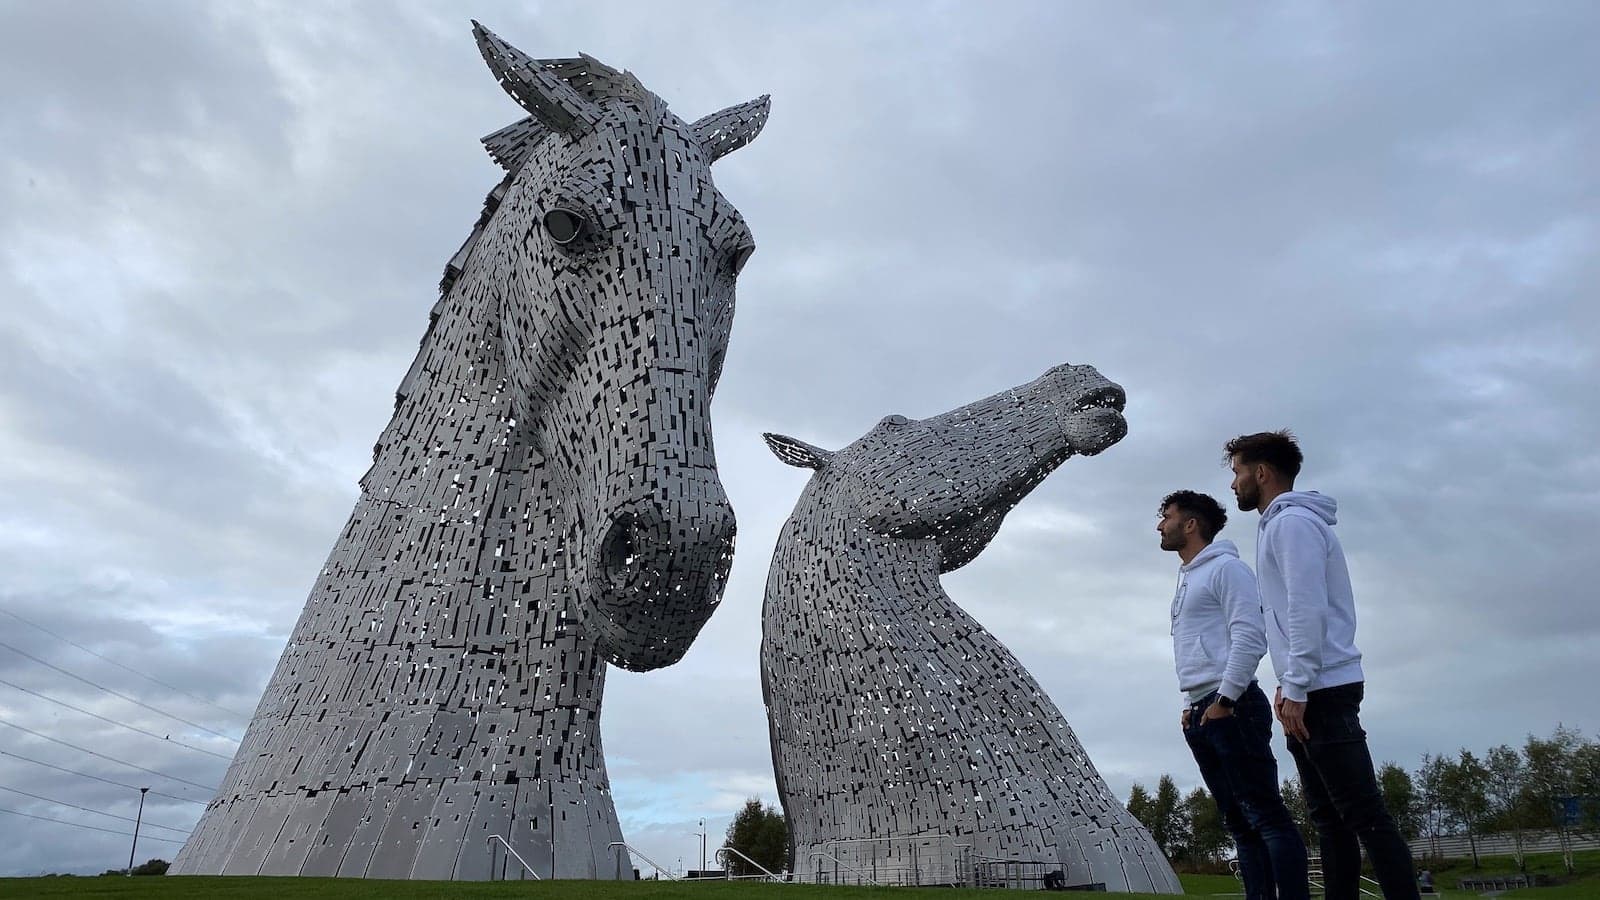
(1503, 789)
(1586, 778)
(1169, 829)
(1142, 805)
(1208, 837)
(761, 833)
(1434, 813)
(1551, 781)
(1464, 794)
(1162, 814)
(1400, 796)
(1295, 800)
(151, 867)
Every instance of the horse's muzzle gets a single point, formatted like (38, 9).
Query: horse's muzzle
(655, 575)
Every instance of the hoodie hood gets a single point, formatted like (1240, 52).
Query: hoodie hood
(1212, 551)
(1320, 505)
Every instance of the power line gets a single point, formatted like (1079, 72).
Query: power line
(90, 827)
(166, 738)
(116, 694)
(88, 810)
(112, 758)
(130, 787)
(144, 675)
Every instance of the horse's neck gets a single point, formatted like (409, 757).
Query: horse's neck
(834, 559)
(462, 501)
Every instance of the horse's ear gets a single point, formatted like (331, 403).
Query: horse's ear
(796, 453)
(556, 104)
(512, 145)
(723, 132)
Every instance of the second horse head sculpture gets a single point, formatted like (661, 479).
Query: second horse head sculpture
(902, 730)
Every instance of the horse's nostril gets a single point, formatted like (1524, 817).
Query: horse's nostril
(640, 559)
(621, 545)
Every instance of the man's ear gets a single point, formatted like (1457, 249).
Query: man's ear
(797, 453)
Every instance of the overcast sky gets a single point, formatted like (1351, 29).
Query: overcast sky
(222, 225)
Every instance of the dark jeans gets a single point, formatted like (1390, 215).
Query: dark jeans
(1235, 758)
(1344, 800)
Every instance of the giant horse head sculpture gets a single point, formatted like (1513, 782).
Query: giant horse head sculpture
(892, 711)
(616, 303)
(544, 500)
(952, 478)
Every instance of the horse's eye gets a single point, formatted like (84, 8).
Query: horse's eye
(740, 257)
(563, 225)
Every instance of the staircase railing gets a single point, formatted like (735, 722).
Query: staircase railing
(839, 862)
(1315, 878)
(720, 857)
(653, 864)
(525, 867)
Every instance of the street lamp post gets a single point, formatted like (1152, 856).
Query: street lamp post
(136, 820)
(702, 846)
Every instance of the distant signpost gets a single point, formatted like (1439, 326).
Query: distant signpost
(1571, 810)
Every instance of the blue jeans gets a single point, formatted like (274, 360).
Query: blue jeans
(1234, 754)
(1344, 800)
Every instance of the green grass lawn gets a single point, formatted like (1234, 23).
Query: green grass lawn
(353, 889)
(1585, 883)
(1202, 885)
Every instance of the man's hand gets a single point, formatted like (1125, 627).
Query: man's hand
(1277, 704)
(1214, 712)
(1184, 720)
(1293, 716)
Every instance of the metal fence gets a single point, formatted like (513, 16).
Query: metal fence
(928, 860)
(1456, 846)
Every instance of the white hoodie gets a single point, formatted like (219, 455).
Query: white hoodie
(1218, 637)
(1305, 587)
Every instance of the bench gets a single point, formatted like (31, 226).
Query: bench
(1498, 882)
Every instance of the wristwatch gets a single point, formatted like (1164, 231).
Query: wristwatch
(1225, 702)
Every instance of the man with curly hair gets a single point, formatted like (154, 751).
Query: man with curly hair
(1218, 639)
(1311, 629)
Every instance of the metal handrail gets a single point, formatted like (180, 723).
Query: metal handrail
(1315, 877)
(726, 849)
(653, 863)
(1013, 872)
(841, 862)
(525, 867)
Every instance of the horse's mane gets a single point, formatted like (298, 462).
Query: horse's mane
(515, 144)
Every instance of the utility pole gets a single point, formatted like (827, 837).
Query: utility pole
(136, 820)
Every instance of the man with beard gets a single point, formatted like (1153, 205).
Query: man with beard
(1311, 629)
(1218, 639)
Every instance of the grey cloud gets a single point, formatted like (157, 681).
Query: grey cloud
(101, 77)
